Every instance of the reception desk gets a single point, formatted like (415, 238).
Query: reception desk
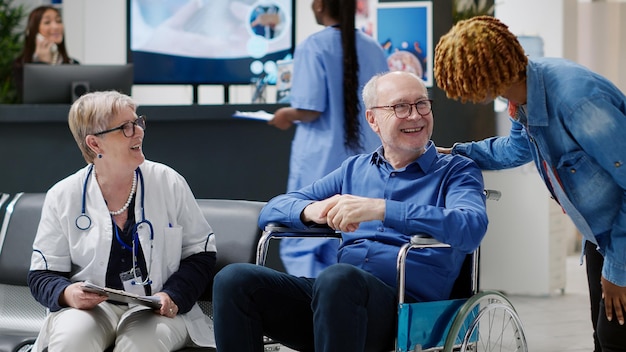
(220, 156)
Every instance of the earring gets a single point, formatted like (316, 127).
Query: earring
(99, 156)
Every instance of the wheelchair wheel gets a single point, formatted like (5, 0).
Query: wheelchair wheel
(486, 322)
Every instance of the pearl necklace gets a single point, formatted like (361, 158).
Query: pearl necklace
(130, 196)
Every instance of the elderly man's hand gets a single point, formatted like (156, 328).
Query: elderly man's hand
(349, 211)
(316, 211)
(344, 212)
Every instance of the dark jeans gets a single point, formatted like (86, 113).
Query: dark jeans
(344, 309)
(608, 336)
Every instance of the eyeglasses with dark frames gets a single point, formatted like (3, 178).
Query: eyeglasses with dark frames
(404, 110)
(128, 128)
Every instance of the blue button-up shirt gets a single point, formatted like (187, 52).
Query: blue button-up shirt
(573, 129)
(440, 195)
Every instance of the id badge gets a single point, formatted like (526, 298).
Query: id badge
(132, 281)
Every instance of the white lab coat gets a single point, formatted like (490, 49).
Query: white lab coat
(180, 230)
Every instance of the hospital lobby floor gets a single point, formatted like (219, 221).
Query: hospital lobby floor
(560, 322)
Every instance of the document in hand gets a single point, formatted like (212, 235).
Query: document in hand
(122, 296)
(254, 115)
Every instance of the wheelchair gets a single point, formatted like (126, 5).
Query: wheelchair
(470, 321)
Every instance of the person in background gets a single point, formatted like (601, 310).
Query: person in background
(43, 42)
(378, 201)
(570, 121)
(125, 223)
(330, 68)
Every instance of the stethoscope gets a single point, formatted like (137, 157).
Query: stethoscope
(83, 222)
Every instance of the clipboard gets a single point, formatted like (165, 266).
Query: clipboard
(122, 296)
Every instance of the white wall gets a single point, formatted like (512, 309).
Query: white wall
(101, 38)
(602, 39)
(592, 33)
(535, 17)
(31, 4)
(305, 20)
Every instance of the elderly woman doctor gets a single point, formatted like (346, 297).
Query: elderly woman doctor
(126, 223)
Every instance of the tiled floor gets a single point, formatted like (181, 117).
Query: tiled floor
(559, 322)
(556, 323)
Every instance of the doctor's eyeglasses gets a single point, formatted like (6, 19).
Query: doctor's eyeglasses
(127, 128)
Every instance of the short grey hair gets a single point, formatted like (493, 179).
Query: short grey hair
(369, 94)
(92, 112)
(370, 90)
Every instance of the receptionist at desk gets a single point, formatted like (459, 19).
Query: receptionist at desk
(44, 42)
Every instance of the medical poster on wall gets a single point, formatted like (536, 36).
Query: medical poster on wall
(404, 30)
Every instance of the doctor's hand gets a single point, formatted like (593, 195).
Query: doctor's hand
(168, 307)
(74, 296)
(614, 300)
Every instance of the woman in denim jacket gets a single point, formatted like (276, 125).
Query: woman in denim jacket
(570, 122)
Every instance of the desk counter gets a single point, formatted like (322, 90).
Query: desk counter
(220, 156)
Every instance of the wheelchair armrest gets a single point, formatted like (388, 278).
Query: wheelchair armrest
(280, 231)
(417, 242)
(276, 230)
(422, 240)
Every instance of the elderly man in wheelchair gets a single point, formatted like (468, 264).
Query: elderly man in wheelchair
(376, 202)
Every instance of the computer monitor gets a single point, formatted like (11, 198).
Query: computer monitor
(62, 84)
(209, 41)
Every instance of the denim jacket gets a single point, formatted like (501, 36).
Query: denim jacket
(573, 128)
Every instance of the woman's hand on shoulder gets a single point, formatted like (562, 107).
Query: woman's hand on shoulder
(442, 150)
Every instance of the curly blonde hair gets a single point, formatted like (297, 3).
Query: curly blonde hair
(479, 59)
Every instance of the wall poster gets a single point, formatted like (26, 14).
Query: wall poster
(404, 29)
